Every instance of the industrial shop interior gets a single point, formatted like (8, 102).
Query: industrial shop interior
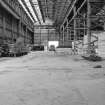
(52, 52)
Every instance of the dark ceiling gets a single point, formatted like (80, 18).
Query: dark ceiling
(54, 9)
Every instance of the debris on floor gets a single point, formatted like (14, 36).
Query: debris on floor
(92, 57)
(98, 66)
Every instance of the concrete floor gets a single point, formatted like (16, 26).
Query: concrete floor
(45, 78)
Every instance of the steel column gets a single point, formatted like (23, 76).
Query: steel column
(12, 30)
(88, 24)
(4, 26)
(40, 35)
(67, 29)
(74, 30)
(19, 28)
(63, 35)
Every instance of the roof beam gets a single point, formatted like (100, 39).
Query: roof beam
(62, 9)
(39, 3)
(46, 8)
(72, 6)
(24, 3)
(35, 11)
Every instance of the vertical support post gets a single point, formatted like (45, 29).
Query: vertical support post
(26, 35)
(74, 30)
(40, 34)
(60, 36)
(34, 36)
(4, 27)
(104, 26)
(67, 31)
(63, 35)
(12, 31)
(88, 25)
(85, 28)
(22, 30)
(19, 28)
(70, 34)
(59, 32)
(48, 38)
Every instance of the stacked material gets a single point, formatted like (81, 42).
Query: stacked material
(63, 50)
(101, 44)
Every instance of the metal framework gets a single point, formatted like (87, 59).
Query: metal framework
(75, 19)
(54, 9)
(32, 4)
(84, 18)
(24, 3)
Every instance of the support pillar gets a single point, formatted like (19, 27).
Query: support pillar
(12, 31)
(88, 25)
(67, 31)
(4, 28)
(84, 30)
(104, 26)
(60, 36)
(63, 35)
(48, 40)
(40, 34)
(25, 34)
(74, 31)
(19, 28)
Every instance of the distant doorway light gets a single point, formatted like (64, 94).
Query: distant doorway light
(55, 43)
